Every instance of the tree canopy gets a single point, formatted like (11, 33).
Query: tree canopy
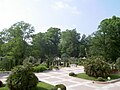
(106, 40)
(19, 42)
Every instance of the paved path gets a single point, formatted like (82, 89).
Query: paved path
(61, 77)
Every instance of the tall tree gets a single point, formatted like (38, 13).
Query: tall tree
(83, 46)
(45, 45)
(53, 37)
(15, 41)
(69, 43)
(106, 41)
(39, 46)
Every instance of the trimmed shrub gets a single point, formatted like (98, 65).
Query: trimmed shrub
(1, 83)
(61, 86)
(56, 67)
(39, 68)
(100, 79)
(72, 74)
(22, 78)
(97, 67)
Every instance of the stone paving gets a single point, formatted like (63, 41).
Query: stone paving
(62, 77)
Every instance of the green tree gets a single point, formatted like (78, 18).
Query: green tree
(83, 46)
(69, 43)
(16, 41)
(39, 46)
(53, 38)
(106, 41)
(45, 45)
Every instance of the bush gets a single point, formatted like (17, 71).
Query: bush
(100, 79)
(22, 78)
(39, 68)
(1, 83)
(114, 68)
(118, 64)
(56, 67)
(50, 68)
(72, 74)
(97, 67)
(61, 86)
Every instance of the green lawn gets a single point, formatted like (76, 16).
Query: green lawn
(85, 76)
(40, 86)
(44, 86)
(115, 76)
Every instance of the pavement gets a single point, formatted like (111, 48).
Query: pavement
(72, 83)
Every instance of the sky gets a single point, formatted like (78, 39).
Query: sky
(84, 15)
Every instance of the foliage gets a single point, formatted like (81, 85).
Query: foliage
(56, 67)
(39, 68)
(6, 63)
(97, 67)
(46, 44)
(118, 63)
(61, 86)
(15, 41)
(18, 42)
(65, 58)
(106, 40)
(22, 78)
(39, 45)
(72, 74)
(114, 76)
(69, 43)
(40, 86)
(84, 46)
(31, 60)
(53, 38)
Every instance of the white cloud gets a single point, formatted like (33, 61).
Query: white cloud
(65, 5)
(60, 5)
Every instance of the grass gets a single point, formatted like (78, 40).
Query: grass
(44, 86)
(85, 76)
(40, 86)
(115, 76)
(4, 88)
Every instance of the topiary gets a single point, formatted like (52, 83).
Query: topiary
(39, 68)
(1, 83)
(61, 86)
(56, 67)
(97, 67)
(72, 74)
(22, 78)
